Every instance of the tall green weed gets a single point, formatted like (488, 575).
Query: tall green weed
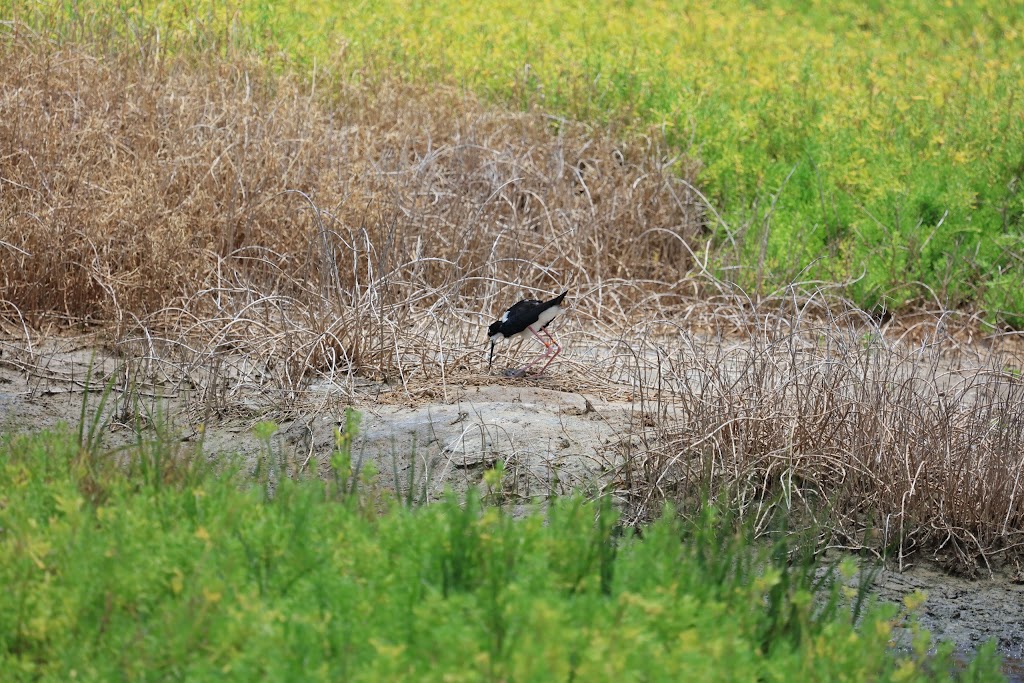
(206, 577)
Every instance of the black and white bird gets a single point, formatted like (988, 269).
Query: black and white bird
(529, 316)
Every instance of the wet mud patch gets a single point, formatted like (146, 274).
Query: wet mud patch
(966, 612)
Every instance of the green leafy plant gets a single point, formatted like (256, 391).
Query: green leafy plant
(208, 578)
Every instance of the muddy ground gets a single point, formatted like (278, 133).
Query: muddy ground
(552, 434)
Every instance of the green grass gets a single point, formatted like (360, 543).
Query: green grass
(145, 565)
(875, 142)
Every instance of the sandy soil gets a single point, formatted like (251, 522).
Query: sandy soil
(550, 437)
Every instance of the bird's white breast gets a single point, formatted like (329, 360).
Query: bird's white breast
(546, 317)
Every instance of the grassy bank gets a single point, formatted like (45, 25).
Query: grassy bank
(879, 145)
(145, 565)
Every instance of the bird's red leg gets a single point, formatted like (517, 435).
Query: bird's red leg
(557, 350)
(550, 351)
(547, 352)
(542, 340)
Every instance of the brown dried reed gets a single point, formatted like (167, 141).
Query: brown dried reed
(891, 442)
(222, 200)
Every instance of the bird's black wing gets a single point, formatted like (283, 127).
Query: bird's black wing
(520, 316)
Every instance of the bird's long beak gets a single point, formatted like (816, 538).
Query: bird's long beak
(490, 361)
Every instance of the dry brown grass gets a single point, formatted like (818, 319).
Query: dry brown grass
(893, 440)
(226, 228)
(238, 206)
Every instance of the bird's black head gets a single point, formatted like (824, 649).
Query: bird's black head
(494, 328)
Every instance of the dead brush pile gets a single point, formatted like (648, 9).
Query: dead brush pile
(891, 440)
(326, 222)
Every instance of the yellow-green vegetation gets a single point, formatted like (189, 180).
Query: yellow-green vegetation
(880, 143)
(144, 565)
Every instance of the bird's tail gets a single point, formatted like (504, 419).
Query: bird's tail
(557, 301)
